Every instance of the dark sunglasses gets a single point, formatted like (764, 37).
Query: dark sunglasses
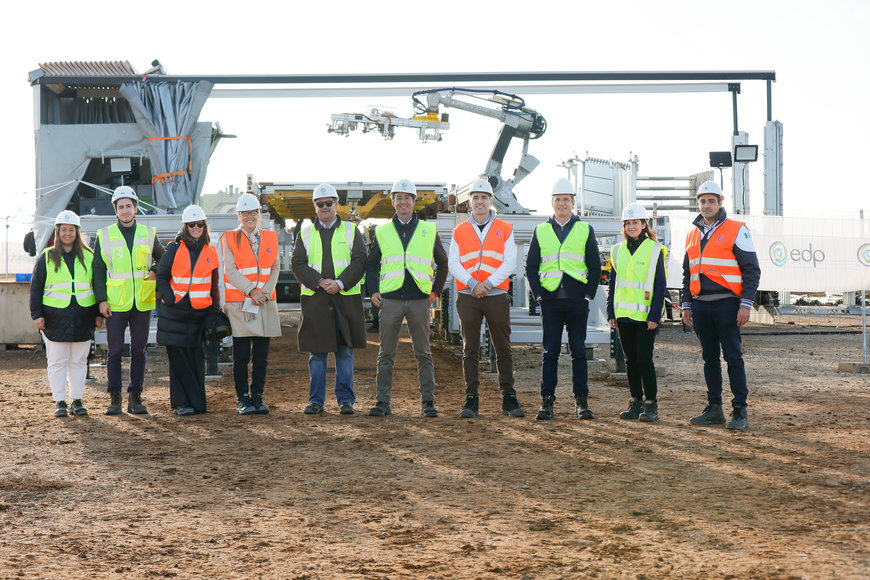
(327, 203)
(196, 224)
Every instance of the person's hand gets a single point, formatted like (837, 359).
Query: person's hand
(612, 323)
(99, 321)
(330, 286)
(687, 318)
(105, 311)
(39, 322)
(432, 298)
(152, 275)
(651, 325)
(479, 290)
(742, 316)
(257, 297)
(376, 299)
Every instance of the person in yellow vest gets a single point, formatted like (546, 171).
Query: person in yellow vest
(720, 279)
(329, 259)
(125, 269)
(189, 287)
(483, 256)
(405, 273)
(635, 302)
(563, 270)
(63, 308)
(250, 267)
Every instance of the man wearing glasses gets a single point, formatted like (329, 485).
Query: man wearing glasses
(405, 272)
(329, 259)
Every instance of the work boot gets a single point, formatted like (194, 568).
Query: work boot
(650, 412)
(510, 406)
(134, 403)
(346, 409)
(261, 407)
(77, 408)
(712, 415)
(635, 407)
(381, 409)
(244, 406)
(738, 421)
(545, 413)
(60, 409)
(469, 411)
(581, 408)
(114, 407)
(313, 409)
(428, 409)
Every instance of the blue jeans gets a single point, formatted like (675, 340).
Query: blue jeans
(343, 376)
(715, 323)
(139, 323)
(571, 315)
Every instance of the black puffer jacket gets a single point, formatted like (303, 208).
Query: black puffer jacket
(71, 324)
(179, 324)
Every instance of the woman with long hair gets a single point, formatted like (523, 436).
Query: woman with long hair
(187, 280)
(63, 308)
(634, 305)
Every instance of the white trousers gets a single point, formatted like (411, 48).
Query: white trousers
(67, 361)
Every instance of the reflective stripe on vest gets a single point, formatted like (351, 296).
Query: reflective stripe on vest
(341, 247)
(635, 277)
(126, 271)
(417, 258)
(256, 269)
(569, 257)
(196, 281)
(481, 260)
(717, 262)
(60, 285)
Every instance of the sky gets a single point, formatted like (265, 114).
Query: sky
(815, 49)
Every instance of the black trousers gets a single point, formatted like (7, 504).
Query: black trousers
(637, 344)
(246, 348)
(187, 377)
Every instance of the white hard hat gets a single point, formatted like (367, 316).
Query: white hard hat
(404, 186)
(709, 187)
(192, 213)
(124, 192)
(563, 187)
(634, 211)
(324, 190)
(67, 217)
(247, 202)
(481, 186)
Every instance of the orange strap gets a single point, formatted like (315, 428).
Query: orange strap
(167, 177)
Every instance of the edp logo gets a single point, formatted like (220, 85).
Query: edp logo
(780, 255)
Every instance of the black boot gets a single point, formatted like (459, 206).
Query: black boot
(511, 407)
(545, 413)
(581, 410)
(738, 420)
(635, 407)
(650, 412)
(469, 411)
(114, 407)
(712, 415)
(134, 403)
(60, 409)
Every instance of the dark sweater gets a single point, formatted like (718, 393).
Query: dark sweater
(100, 265)
(659, 288)
(569, 288)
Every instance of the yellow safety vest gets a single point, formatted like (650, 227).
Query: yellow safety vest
(568, 257)
(126, 272)
(61, 286)
(341, 250)
(417, 258)
(635, 275)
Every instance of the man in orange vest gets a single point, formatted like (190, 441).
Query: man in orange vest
(720, 278)
(482, 257)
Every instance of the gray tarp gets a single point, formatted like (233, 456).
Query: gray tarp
(63, 153)
(166, 110)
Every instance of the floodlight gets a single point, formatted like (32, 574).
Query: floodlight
(720, 159)
(745, 153)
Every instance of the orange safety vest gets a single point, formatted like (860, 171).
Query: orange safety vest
(255, 268)
(482, 260)
(717, 262)
(194, 282)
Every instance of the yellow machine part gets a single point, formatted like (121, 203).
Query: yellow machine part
(297, 205)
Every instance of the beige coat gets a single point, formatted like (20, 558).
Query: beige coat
(265, 323)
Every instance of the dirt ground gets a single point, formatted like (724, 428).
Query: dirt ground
(286, 495)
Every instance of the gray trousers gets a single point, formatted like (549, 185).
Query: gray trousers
(416, 312)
